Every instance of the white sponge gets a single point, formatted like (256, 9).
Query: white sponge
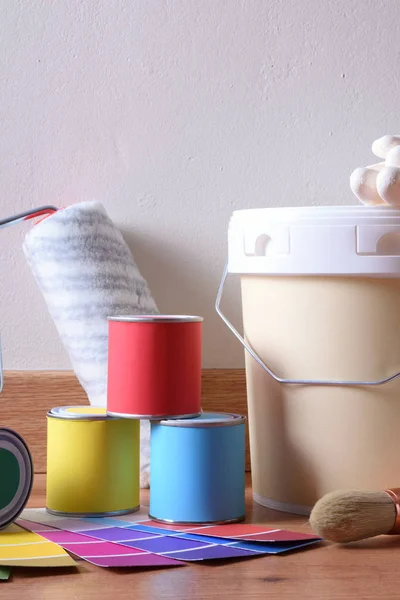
(363, 183)
(379, 184)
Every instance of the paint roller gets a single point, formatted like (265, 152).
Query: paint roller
(87, 273)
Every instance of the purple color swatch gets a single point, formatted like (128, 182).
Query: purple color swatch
(141, 560)
(169, 544)
(119, 534)
(215, 551)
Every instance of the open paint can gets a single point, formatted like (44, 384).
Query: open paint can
(198, 469)
(16, 476)
(154, 366)
(93, 463)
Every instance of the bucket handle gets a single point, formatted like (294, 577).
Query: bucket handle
(257, 358)
(24, 216)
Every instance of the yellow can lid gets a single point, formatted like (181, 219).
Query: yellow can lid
(79, 412)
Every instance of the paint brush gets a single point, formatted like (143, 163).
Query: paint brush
(352, 515)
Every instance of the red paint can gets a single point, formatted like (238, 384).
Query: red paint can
(154, 366)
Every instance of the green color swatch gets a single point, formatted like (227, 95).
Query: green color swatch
(9, 477)
(5, 573)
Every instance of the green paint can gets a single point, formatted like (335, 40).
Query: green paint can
(16, 476)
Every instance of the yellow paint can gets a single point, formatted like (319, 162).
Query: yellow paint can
(93, 462)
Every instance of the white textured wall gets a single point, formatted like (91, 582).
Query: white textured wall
(173, 114)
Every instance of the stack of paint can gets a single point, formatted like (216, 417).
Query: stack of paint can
(197, 458)
(154, 373)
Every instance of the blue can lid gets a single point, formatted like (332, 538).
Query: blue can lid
(206, 419)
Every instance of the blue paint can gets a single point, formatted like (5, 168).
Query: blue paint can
(197, 472)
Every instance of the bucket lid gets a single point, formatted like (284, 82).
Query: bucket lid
(315, 240)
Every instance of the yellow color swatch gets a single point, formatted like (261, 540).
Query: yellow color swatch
(21, 548)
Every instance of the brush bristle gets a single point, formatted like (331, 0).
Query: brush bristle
(348, 516)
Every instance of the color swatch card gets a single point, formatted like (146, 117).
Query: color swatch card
(99, 550)
(187, 544)
(239, 531)
(22, 548)
(264, 547)
(281, 538)
(235, 531)
(114, 546)
(157, 549)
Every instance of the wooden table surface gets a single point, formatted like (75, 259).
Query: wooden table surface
(364, 570)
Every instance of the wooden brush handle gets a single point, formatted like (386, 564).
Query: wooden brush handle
(394, 493)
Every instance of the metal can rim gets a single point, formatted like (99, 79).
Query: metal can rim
(230, 420)
(198, 523)
(78, 416)
(156, 318)
(89, 515)
(137, 417)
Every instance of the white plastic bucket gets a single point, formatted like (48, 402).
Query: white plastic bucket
(321, 318)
